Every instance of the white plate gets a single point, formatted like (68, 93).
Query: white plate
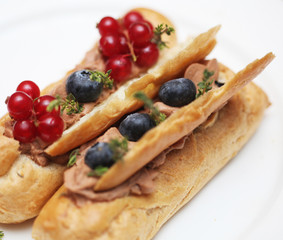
(42, 40)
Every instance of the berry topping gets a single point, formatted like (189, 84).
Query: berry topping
(135, 125)
(177, 92)
(110, 45)
(99, 155)
(147, 56)
(124, 48)
(32, 117)
(149, 25)
(121, 67)
(108, 25)
(40, 106)
(82, 87)
(50, 127)
(20, 106)
(140, 33)
(132, 17)
(30, 88)
(135, 37)
(219, 83)
(24, 131)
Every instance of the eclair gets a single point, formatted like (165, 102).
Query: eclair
(128, 182)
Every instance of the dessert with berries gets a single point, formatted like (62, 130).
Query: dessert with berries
(42, 133)
(128, 182)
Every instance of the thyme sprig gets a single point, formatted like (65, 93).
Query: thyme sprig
(69, 104)
(206, 84)
(1, 235)
(98, 171)
(73, 157)
(155, 114)
(102, 77)
(159, 31)
(119, 148)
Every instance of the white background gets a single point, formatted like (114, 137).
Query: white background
(41, 40)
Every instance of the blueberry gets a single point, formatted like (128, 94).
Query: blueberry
(135, 125)
(219, 84)
(83, 89)
(99, 154)
(178, 92)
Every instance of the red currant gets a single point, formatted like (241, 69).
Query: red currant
(110, 45)
(30, 88)
(20, 106)
(24, 131)
(132, 17)
(121, 67)
(108, 25)
(41, 103)
(124, 48)
(148, 24)
(147, 56)
(140, 33)
(50, 127)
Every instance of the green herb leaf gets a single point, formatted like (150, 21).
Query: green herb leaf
(69, 104)
(73, 157)
(55, 104)
(155, 114)
(119, 148)
(102, 77)
(205, 85)
(98, 171)
(158, 32)
(1, 235)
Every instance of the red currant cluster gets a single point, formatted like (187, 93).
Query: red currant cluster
(31, 117)
(120, 37)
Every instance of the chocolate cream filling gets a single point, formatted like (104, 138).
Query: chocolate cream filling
(80, 186)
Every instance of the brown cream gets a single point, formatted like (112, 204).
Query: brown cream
(163, 108)
(195, 71)
(80, 186)
(8, 132)
(35, 149)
